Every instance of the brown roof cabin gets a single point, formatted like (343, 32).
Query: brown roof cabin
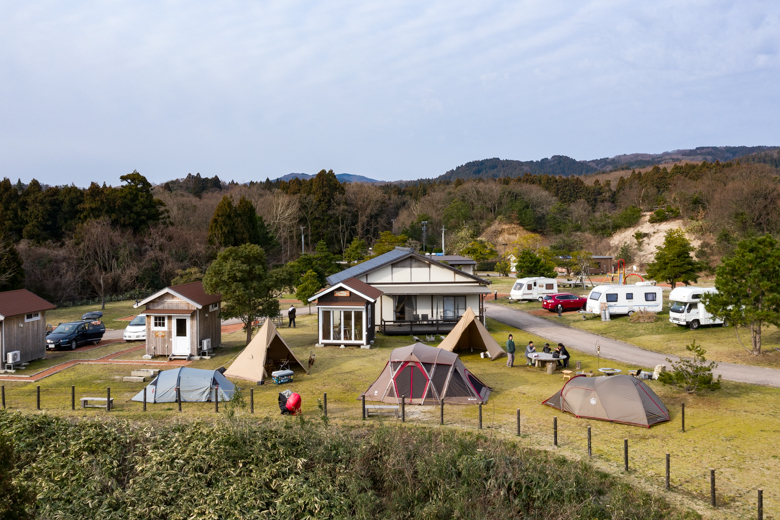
(182, 319)
(346, 313)
(23, 325)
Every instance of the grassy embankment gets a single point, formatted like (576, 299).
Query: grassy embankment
(734, 430)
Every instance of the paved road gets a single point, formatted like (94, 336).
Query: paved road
(618, 350)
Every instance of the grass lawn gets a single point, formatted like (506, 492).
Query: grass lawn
(111, 313)
(667, 338)
(734, 430)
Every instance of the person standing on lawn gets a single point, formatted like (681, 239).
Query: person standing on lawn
(529, 351)
(291, 315)
(510, 352)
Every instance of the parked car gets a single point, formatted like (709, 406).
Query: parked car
(92, 316)
(74, 334)
(136, 331)
(566, 301)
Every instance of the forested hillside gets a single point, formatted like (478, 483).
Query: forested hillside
(67, 243)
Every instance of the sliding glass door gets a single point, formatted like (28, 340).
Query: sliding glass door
(342, 325)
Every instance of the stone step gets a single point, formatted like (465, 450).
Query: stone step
(145, 372)
(134, 379)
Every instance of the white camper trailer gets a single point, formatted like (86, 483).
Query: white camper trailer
(533, 288)
(626, 299)
(687, 309)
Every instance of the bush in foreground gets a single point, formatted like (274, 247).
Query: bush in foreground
(247, 468)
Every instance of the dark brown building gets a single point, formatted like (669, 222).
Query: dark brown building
(602, 265)
(347, 313)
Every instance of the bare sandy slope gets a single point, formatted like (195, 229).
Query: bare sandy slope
(655, 237)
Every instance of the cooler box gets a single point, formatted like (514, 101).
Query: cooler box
(282, 376)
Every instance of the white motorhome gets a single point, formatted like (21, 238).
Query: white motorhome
(533, 288)
(687, 309)
(136, 331)
(626, 299)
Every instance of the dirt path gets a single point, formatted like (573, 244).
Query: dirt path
(108, 359)
(618, 350)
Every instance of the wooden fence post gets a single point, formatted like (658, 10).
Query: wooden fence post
(683, 417)
(178, 397)
(403, 408)
(363, 397)
(3, 388)
(668, 471)
(555, 431)
(108, 398)
(73, 397)
(251, 400)
(518, 422)
(625, 454)
(590, 449)
(480, 416)
(760, 504)
(38, 398)
(441, 418)
(325, 403)
(216, 400)
(712, 487)
(144, 399)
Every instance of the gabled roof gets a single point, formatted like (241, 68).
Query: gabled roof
(192, 292)
(361, 288)
(455, 260)
(390, 257)
(22, 301)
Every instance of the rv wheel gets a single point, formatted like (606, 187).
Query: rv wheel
(694, 324)
(540, 298)
(630, 313)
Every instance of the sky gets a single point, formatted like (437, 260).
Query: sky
(391, 90)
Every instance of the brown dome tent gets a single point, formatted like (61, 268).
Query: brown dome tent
(426, 375)
(621, 399)
(470, 334)
(263, 355)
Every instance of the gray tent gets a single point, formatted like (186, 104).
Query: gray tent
(426, 375)
(197, 386)
(622, 399)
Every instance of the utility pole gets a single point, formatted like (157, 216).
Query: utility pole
(393, 221)
(443, 229)
(303, 247)
(424, 229)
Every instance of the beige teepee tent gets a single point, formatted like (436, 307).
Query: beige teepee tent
(470, 334)
(263, 355)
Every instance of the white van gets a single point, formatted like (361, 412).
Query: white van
(533, 288)
(626, 299)
(136, 331)
(687, 309)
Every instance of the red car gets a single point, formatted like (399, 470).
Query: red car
(566, 302)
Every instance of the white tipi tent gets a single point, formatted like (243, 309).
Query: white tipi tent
(470, 334)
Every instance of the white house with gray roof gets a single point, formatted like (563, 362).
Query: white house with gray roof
(419, 295)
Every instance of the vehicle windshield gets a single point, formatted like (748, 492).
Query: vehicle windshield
(66, 328)
(595, 296)
(677, 307)
(138, 320)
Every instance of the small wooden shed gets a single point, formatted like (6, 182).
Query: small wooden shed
(181, 319)
(346, 312)
(23, 325)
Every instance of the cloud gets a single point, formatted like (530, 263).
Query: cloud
(390, 90)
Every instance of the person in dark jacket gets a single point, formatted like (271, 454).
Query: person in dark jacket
(291, 315)
(510, 352)
(561, 350)
(546, 348)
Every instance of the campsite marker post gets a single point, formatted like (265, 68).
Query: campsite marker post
(668, 465)
(683, 417)
(712, 487)
(363, 397)
(625, 453)
(403, 408)
(73, 397)
(760, 504)
(108, 398)
(480, 416)
(144, 399)
(518, 422)
(555, 431)
(38, 398)
(251, 400)
(590, 449)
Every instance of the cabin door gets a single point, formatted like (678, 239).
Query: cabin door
(181, 337)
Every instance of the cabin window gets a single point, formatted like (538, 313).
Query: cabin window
(214, 307)
(650, 297)
(696, 297)
(612, 298)
(33, 316)
(629, 296)
(325, 324)
(549, 287)
(340, 325)
(158, 323)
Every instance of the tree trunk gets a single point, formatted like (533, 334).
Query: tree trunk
(102, 294)
(755, 332)
(248, 327)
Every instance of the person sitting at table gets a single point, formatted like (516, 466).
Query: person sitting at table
(546, 348)
(530, 350)
(563, 361)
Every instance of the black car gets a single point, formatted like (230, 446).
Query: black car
(74, 334)
(92, 316)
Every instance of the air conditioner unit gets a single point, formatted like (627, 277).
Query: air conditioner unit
(13, 357)
(205, 344)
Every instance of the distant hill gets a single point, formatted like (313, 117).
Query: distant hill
(342, 177)
(566, 166)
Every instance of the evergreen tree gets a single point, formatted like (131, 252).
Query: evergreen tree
(480, 251)
(356, 251)
(11, 270)
(530, 264)
(223, 225)
(673, 262)
(308, 287)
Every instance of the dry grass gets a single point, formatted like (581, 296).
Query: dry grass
(643, 316)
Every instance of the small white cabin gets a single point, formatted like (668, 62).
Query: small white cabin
(626, 299)
(686, 308)
(535, 288)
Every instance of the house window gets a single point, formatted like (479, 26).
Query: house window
(213, 307)
(158, 323)
(650, 296)
(629, 296)
(342, 325)
(611, 297)
(33, 316)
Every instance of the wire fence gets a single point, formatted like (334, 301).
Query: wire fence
(700, 476)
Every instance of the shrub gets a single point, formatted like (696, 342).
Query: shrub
(692, 374)
(486, 266)
(664, 214)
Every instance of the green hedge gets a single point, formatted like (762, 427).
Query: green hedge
(243, 467)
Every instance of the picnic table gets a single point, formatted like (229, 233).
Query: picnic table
(85, 402)
(547, 358)
(377, 409)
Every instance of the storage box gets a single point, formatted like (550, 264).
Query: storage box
(282, 376)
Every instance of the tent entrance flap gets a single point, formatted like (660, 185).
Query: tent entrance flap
(411, 381)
